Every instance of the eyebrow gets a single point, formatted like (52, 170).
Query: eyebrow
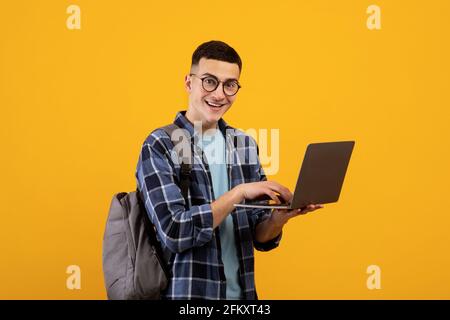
(209, 74)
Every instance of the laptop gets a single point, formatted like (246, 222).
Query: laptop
(320, 179)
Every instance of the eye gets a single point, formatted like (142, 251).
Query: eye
(210, 81)
(231, 84)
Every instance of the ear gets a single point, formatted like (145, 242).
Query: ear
(187, 83)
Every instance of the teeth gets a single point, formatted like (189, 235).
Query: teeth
(213, 104)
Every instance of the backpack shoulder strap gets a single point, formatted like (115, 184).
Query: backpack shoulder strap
(186, 160)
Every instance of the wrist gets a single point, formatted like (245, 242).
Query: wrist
(275, 220)
(238, 195)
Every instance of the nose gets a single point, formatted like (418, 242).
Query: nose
(218, 94)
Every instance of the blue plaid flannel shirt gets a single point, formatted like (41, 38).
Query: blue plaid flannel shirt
(185, 230)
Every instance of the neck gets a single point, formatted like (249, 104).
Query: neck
(206, 126)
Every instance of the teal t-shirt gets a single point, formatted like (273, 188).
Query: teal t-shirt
(213, 147)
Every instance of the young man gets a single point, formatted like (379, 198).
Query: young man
(208, 243)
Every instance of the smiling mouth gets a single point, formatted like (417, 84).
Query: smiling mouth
(214, 105)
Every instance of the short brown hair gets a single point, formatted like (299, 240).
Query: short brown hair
(216, 50)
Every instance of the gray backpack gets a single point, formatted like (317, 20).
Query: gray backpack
(133, 262)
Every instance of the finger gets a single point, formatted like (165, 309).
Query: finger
(304, 210)
(294, 213)
(273, 196)
(283, 191)
(309, 208)
(312, 207)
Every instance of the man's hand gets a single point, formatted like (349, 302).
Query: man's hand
(222, 206)
(255, 190)
(280, 217)
(272, 227)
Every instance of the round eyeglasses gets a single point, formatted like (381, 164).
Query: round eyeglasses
(210, 83)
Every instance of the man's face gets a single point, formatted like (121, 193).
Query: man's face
(205, 106)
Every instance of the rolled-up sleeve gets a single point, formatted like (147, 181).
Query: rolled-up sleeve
(178, 228)
(257, 216)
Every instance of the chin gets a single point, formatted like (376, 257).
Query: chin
(214, 115)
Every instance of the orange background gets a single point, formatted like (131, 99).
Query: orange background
(76, 106)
